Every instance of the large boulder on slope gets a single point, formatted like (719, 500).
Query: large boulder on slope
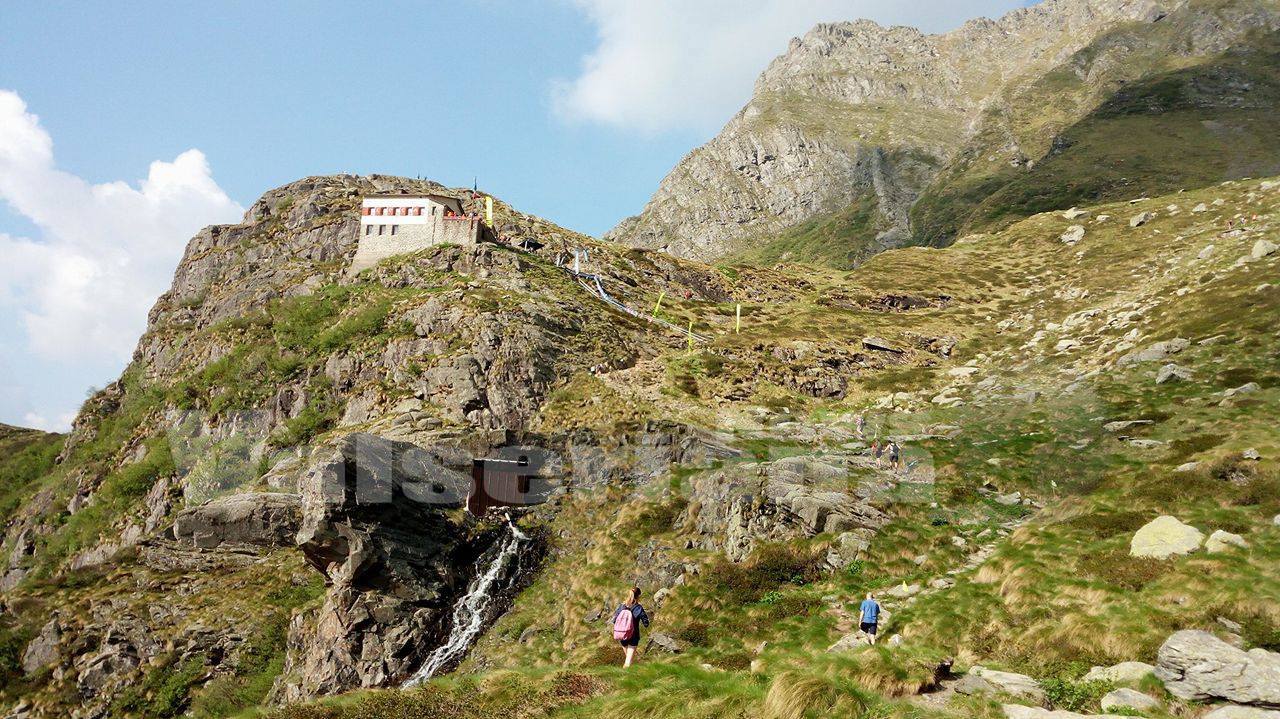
(1195, 664)
(267, 519)
(981, 681)
(1165, 537)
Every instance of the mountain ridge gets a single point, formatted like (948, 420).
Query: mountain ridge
(857, 113)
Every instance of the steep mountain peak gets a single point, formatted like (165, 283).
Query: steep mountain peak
(856, 122)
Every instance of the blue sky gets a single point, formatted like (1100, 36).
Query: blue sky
(570, 109)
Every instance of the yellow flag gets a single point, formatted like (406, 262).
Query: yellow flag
(488, 210)
(737, 324)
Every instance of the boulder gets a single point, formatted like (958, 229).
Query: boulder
(880, 344)
(1125, 698)
(1165, 537)
(1074, 234)
(1187, 467)
(1236, 711)
(1196, 665)
(1247, 388)
(1173, 373)
(1141, 219)
(267, 519)
(1074, 213)
(1263, 248)
(981, 681)
(1010, 499)
(1202, 207)
(1156, 351)
(44, 649)
(904, 591)
(664, 643)
(847, 547)
(1122, 673)
(1221, 541)
(1121, 425)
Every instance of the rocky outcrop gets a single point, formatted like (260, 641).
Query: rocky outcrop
(375, 522)
(1197, 665)
(982, 681)
(1125, 698)
(734, 509)
(264, 519)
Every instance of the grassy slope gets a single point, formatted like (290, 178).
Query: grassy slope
(25, 455)
(1060, 592)
(1149, 120)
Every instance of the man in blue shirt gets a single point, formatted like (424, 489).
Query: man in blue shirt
(870, 616)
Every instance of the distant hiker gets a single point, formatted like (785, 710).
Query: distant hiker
(877, 451)
(870, 616)
(895, 456)
(626, 624)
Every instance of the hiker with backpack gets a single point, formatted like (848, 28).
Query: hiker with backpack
(877, 451)
(895, 456)
(626, 624)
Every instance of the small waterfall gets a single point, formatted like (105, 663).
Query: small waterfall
(469, 612)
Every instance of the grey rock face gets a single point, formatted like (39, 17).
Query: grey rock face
(664, 643)
(374, 523)
(1125, 698)
(734, 509)
(44, 649)
(981, 681)
(259, 518)
(1196, 665)
(1155, 352)
(825, 126)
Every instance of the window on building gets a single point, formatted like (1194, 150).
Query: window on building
(380, 228)
(393, 229)
(366, 210)
(368, 229)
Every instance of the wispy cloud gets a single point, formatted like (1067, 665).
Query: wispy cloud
(674, 64)
(103, 253)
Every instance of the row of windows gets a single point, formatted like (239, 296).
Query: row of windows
(368, 229)
(412, 211)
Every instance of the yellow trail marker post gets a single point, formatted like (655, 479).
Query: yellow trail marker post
(690, 335)
(658, 306)
(737, 322)
(488, 210)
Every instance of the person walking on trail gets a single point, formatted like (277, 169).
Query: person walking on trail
(870, 617)
(626, 624)
(895, 456)
(877, 451)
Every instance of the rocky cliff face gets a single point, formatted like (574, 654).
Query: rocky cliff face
(857, 113)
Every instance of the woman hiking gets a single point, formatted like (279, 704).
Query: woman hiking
(626, 624)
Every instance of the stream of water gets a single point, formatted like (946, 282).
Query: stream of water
(469, 612)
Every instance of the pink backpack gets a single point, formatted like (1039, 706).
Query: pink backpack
(624, 624)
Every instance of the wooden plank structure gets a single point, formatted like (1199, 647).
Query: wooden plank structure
(504, 483)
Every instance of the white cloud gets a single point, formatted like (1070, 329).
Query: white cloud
(83, 287)
(676, 64)
(61, 423)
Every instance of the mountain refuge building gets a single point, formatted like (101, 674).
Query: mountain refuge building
(395, 224)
